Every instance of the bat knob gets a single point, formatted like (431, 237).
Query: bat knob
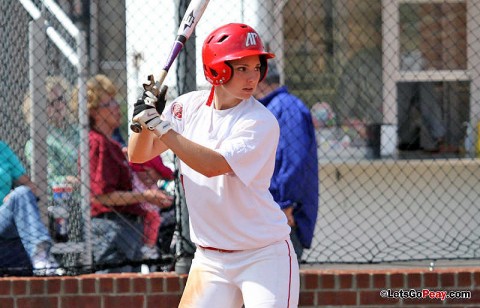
(136, 128)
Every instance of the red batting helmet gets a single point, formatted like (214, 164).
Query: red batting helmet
(227, 43)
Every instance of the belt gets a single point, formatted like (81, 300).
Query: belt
(115, 216)
(218, 249)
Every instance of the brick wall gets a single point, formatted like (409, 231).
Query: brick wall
(319, 288)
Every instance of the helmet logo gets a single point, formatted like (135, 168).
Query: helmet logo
(251, 39)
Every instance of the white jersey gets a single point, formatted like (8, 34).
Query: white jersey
(232, 211)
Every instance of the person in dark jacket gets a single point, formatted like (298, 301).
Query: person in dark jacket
(295, 184)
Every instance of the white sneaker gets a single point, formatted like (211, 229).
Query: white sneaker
(144, 269)
(45, 265)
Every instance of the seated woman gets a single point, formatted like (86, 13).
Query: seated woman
(20, 218)
(117, 224)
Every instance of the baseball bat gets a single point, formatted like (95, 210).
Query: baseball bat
(192, 15)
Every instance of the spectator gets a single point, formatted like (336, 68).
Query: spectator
(62, 139)
(146, 176)
(20, 217)
(60, 148)
(294, 184)
(117, 225)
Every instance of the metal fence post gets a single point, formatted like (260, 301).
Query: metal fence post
(84, 149)
(38, 115)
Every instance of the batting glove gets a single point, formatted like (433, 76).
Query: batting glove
(147, 111)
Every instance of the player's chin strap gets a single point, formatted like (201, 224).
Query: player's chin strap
(210, 97)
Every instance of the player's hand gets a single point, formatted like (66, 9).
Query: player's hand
(146, 113)
(289, 213)
(150, 100)
(161, 99)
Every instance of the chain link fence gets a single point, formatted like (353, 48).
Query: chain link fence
(392, 86)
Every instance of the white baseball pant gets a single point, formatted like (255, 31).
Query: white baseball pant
(267, 277)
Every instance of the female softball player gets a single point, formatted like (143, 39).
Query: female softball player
(226, 141)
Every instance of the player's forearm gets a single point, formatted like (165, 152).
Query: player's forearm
(144, 146)
(202, 159)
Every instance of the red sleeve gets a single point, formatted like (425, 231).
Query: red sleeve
(109, 171)
(102, 179)
(157, 164)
